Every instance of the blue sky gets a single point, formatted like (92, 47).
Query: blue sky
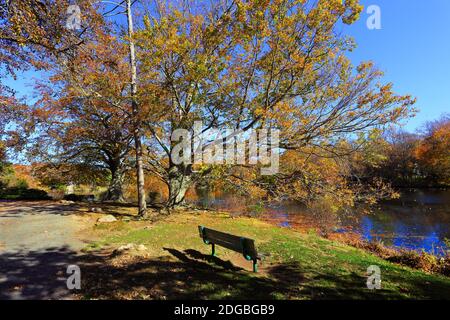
(412, 48)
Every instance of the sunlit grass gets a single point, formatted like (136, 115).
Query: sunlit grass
(316, 267)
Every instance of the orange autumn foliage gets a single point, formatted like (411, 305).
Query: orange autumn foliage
(433, 152)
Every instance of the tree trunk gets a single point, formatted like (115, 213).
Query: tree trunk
(140, 177)
(136, 121)
(179, 183)
(115, 189)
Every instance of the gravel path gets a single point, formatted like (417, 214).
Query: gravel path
(38, 240)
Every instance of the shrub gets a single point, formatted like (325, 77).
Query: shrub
(79, 197)
(17, 193)
(423, 261)
(22, 184)
(417, 260)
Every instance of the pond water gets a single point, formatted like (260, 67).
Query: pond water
(419, 220)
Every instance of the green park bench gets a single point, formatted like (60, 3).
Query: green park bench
(242, 245)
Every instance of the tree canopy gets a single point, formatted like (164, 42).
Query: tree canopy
(230, 64)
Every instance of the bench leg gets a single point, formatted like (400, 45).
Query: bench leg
(255, 265)
(213, 247)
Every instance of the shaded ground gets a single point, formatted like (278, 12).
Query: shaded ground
(176, 264)
(191, 274)
(35, 241)
(39, 274)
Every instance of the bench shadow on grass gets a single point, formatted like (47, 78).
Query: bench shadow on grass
(190, 256)
(192, 275)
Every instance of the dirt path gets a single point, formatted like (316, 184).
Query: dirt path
(38, 240)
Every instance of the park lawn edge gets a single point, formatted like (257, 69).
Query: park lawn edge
(300, 265)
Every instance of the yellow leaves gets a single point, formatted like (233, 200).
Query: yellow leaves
(283, 107)
(353, 10)
(147, 22)
(317, 177)
(267, 52)
(305, 121)
(364, 67)
(299, 59)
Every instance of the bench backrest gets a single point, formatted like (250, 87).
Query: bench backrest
(242, 245)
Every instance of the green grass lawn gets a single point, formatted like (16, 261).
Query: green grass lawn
(177, 265)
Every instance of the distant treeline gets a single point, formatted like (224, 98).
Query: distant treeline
(419, 159)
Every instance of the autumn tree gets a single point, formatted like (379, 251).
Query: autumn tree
(44, 42)
(400, 166)
(258, 64)
(406, 159)
(433, 152)
(84, 114)
(230, 64)
(388, 156)
(58, 175)
(93, 143)
(33, 36)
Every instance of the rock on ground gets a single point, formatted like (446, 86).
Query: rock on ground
(131, 246)
(107, 218)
